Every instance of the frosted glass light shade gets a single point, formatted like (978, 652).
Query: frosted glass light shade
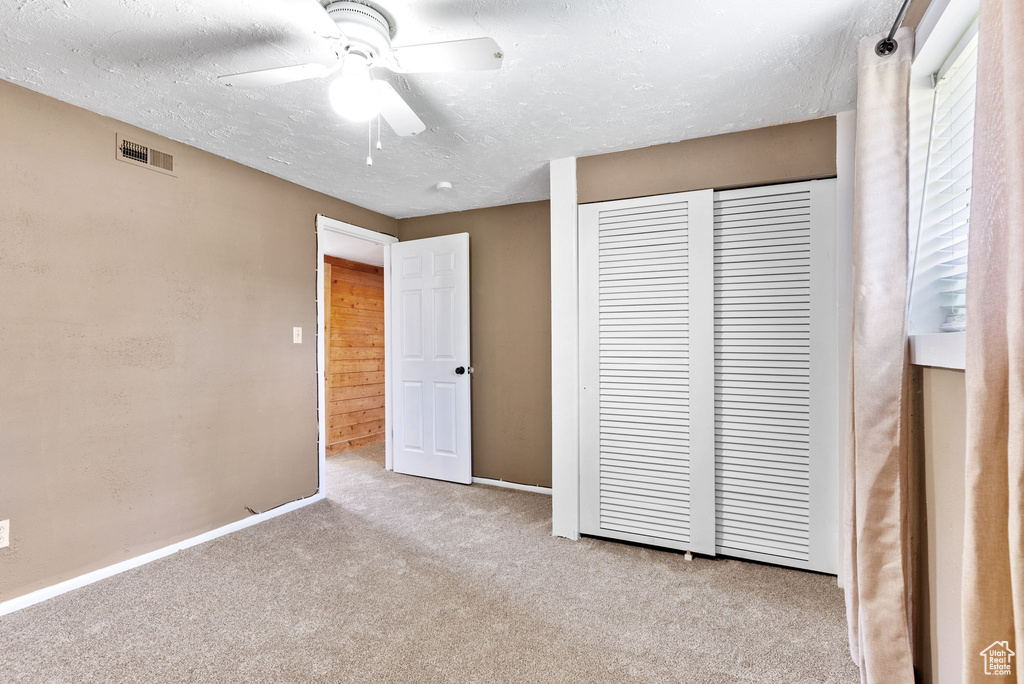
(355, 97)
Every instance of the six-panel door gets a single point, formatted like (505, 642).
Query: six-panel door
(430, 358)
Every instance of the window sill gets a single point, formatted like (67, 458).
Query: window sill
(939, 350)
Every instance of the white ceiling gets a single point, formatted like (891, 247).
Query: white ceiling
(352, 248)
(580, 77)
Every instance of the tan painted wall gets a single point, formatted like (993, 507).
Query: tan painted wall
(941, 523)
(510, 312)
(149, 389)
(777, 154)
(915, 12)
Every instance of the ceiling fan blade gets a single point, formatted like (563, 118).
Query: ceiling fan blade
(475, 54)
(313, 14)
(278, 75)
(396, 111)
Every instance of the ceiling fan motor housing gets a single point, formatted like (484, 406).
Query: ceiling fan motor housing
(366, 30)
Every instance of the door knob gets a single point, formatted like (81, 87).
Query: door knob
(460, 370)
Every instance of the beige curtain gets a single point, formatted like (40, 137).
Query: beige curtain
(993, 581)
(876, 506)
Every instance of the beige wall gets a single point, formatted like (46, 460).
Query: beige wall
(149, 389)
(942, 450)
(510, 311)
(777, 154)
(915, 12)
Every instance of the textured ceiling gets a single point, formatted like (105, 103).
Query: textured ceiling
(580, 77)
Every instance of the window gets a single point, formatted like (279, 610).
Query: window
(939, 284)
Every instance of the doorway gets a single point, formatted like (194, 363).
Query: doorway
(354, 340)
(426, 430)
(352, 314)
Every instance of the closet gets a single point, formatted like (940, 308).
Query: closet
(709, 374)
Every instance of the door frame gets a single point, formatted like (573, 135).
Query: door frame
(325, 224)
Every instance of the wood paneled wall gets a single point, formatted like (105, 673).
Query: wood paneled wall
(355, 359)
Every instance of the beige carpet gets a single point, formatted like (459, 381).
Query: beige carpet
(400, 579)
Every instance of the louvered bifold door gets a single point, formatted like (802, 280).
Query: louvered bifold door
(646, 461)
(776, 452)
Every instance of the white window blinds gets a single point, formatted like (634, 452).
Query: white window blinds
(940, 272)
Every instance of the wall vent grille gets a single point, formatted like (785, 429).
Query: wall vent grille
(142, 155)
(134, 151)
(161, 160)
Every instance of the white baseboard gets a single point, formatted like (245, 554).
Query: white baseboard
(96, 575)
(512, 485)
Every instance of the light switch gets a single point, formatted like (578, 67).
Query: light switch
(297, 335)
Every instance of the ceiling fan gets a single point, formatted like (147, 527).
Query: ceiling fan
(363, 40)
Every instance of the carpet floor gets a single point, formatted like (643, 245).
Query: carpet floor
(401, 579)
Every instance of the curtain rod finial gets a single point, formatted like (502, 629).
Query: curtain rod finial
(886, 47)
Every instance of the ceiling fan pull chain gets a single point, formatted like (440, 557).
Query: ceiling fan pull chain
(369, 142)
(378, 131)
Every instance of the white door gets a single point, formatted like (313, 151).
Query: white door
(776, 353)
(430, 383)
(646, 356)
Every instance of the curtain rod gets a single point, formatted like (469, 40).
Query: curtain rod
(888, 45)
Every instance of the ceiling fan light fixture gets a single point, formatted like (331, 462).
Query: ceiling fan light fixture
(355, 98)
(361, 35)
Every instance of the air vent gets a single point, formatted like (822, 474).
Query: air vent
(161, 160)
(138, 154)
(134, 151)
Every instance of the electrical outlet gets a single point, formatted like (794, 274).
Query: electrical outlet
(297, 335)
(5, 533)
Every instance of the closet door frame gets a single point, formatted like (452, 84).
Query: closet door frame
(826, 470)
(700, 294)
